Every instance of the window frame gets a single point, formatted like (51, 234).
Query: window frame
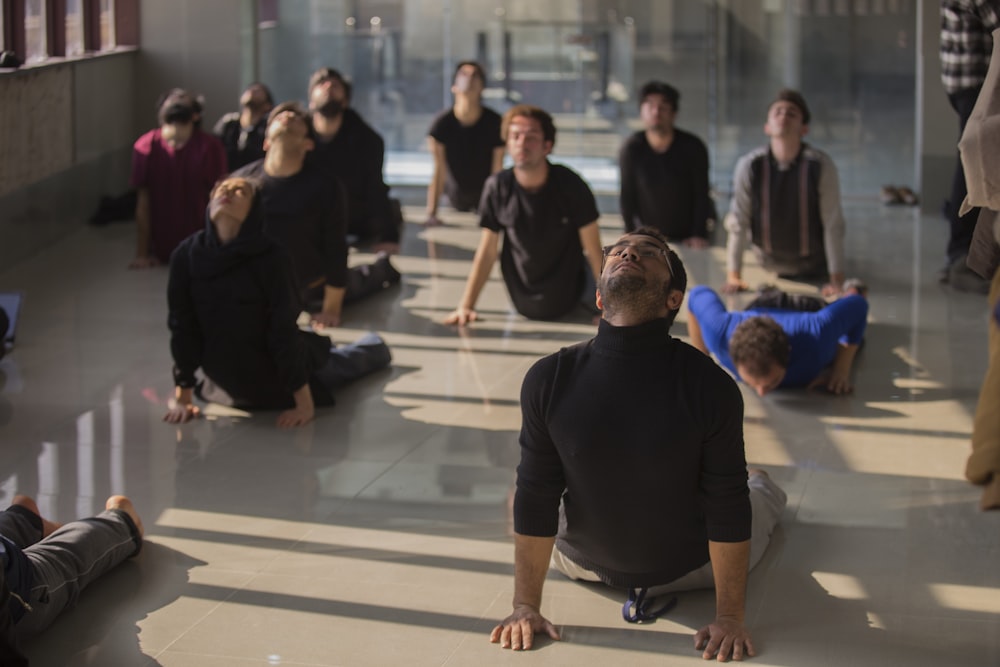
(13, 32)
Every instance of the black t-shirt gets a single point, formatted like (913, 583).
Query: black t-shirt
(669, 190)
(468, 152)
(355, 155)
(242, 146)
(306, 214)
(541, 259)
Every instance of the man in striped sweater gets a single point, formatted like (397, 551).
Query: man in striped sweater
(786, 201)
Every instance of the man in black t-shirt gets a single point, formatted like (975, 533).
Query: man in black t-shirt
(242, 132)
(548, 218)
(664, 173)
(466, 145)
(305, 211)
(352, 151)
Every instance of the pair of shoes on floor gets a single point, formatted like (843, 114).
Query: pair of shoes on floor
(964, 279)
(892, 194)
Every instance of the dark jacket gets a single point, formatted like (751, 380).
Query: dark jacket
(233, 311)
(356, 155)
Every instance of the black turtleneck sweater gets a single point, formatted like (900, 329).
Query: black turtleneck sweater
(641, 437)
(233, 310)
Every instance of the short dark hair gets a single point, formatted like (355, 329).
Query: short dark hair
(759, 344)
(197, 102)
(267, 91)
(327, 73)
(795, 97)
(529, 111)
(480, 72)
(669, 93)
(296, 109)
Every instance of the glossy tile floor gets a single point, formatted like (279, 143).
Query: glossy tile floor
(380, 533)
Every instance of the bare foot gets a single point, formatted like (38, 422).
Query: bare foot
(28, 503)
(125, 505)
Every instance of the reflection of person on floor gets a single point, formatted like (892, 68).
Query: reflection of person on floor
(786, 198)
(46, 566)
(774, 347)
(233, 310)
(547, 217)
(632, 463)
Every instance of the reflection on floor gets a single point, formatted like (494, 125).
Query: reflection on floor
(379, 534)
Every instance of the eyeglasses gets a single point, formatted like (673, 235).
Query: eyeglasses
(643, 251)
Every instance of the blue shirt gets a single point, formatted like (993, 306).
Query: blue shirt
(814, 337)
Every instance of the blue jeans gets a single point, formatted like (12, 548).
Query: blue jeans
(65, 562)
(353, 361)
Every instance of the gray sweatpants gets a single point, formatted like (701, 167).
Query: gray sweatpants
(68, 560)
(767, 500)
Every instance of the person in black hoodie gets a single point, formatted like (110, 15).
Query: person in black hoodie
(233, 310)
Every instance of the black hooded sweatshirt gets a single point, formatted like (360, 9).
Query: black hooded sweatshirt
(233, 311)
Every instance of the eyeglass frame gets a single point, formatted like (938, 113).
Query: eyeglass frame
(606, 251)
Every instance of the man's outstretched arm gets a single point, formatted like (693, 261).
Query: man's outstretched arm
(531, 563)
(838, 377)
(726, 637)
(482, 264)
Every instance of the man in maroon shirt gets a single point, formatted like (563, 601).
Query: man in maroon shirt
(174, 168)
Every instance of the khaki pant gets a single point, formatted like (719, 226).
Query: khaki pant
(768, 502)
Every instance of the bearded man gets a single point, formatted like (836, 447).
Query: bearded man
(353, 152)
(632, 464)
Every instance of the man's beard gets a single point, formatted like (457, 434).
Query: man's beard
(630, 292)
(255, 107)
(331, 108)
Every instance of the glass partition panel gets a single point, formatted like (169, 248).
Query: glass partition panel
(854, 60)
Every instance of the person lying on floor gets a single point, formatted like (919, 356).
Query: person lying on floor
(233, 306)
(44, 565)
(777, 342)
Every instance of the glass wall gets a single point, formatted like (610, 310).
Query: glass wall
(583, 60)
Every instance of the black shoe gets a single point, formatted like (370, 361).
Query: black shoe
(391, 275)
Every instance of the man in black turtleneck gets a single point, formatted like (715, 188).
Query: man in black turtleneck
(632, 463)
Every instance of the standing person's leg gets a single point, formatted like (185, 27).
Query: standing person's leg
(355, 360)
(73, 556)
(960, 227)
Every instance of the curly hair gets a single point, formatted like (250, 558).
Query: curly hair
(759, 344)
(528, 111)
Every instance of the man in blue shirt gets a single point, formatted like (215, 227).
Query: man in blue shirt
(770, 348)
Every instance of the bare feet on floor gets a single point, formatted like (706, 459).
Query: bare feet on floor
(28, 503)
(125, 505)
